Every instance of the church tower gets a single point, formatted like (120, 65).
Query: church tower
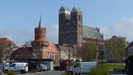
(70, 26)
(76, 26)
(40, 44)
(64, 25)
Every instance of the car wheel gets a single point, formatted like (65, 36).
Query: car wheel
(6, 71)
(22, 71)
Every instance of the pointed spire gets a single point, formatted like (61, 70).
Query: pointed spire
(40, 22)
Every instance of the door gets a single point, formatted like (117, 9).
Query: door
(12, 67)
(77, 68)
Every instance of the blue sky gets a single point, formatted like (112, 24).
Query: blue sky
(18, 18)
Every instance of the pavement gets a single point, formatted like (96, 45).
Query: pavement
(117, 72)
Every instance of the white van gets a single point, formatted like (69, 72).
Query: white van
(82, 67)
(18, 66)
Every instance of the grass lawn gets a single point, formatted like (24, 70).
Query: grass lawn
(112, 67)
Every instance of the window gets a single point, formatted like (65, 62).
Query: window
(77, 65)
(79, 18)
(12, 65)
(74, 18)
(62, 19)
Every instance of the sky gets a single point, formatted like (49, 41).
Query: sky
(18, 18)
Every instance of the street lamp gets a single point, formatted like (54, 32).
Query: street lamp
(102, 55)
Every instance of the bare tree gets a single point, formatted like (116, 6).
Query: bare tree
(6, 49)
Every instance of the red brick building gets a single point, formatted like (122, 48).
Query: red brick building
(40, 47)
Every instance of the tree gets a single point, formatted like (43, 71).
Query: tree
(92, 50)
(67, 52)
(89, 52)
(117, 46)
(6, 49)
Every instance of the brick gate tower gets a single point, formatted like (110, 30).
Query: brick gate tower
(40, 44)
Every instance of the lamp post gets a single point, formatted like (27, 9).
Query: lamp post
(102, 55)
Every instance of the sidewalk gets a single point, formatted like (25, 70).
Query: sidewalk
(118, 72)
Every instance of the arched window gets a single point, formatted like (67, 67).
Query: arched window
(79, 17)
(74, 18)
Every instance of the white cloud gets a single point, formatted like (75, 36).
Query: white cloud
(123, 27)
(19, 37)
(52, 33)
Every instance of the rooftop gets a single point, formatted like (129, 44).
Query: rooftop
(91, 32)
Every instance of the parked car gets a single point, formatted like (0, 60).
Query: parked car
(33, 66)
(82, 67)
(2, 67)
(1, 72)
(43, 67)
(17, 66)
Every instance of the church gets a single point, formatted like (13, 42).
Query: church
(73, 32)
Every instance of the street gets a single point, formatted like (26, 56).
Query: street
(45, 73)
(117, 73)
(60, 73)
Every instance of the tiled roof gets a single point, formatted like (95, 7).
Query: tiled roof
(130, 45)
(52, 48)
(91, 32)
(2, 40)
(6, 40)
(65, 47)
(21, 51)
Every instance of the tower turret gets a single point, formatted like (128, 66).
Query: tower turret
(40, 32)
(40, 44)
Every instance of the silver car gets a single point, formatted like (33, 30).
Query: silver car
(1, 72)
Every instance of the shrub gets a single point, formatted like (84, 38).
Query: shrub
(100, 70)
(66, 73)
(11, 73)
(56, 68)
(129, 65)
(33, 70)
(48, 69)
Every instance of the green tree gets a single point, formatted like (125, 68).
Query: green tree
(117, 46)
(92, 50)
(89, 52)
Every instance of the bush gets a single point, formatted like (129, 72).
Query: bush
(48, 69)
(33, 70)
(129, 65)
(56, 68)
(66, 73)
(100, 70)
(11, 73)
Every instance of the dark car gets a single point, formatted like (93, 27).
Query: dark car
(43, 67)
(32, 66)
